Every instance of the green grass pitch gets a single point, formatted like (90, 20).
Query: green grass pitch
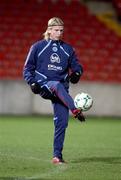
(92, 149)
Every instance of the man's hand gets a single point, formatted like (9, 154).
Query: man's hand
(35, 87)
(46, 92)
(74, 77)
(42, 90)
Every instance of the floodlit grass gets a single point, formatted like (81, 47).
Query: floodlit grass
(92, 149)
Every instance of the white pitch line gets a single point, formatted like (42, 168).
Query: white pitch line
(21, 157)
(56, 170)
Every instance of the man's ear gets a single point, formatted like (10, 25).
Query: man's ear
(49, 30)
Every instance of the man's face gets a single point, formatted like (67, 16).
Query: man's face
(56, 32)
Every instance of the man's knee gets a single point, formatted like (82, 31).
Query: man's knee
(55, 85)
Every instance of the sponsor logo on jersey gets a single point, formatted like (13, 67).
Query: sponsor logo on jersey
(55, 58)
(54, 68)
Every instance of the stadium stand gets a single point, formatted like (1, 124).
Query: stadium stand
(22, 22)
(117, 6)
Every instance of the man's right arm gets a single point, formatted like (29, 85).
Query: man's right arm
(29, 66)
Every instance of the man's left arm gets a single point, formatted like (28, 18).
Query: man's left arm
(76, 68)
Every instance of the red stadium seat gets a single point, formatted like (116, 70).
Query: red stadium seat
(23, 23)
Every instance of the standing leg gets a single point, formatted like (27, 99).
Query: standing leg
(61, 115)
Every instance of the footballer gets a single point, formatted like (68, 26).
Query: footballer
(47, 71)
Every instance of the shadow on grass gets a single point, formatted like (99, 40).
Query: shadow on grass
(109, 160)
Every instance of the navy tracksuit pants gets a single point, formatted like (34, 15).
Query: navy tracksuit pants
(62, 102)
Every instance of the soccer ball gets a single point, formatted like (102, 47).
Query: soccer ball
(83, 101)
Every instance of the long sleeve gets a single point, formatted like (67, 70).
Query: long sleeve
(29, 66)
(74, 63)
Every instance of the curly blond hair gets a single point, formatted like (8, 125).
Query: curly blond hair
(55, 21)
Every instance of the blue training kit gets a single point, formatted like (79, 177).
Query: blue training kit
(48, 63)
